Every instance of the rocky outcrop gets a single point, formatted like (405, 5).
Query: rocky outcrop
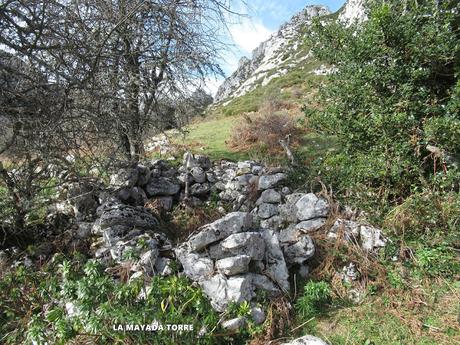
(284, 52)
(273, 58)
(264, 233)
(353, 11)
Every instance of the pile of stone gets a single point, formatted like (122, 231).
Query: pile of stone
(130, 233)
(266, 235)
(230, 260)
(236, 255)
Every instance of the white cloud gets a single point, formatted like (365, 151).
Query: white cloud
(249, 33)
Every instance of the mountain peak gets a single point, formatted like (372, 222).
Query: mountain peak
(283, 51)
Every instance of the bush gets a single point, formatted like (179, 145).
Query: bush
(315, 296)
(437, 261)
(263, 132)
(428, 214)
(77, 302)
(394, 101)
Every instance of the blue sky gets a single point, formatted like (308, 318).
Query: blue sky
(264, 17)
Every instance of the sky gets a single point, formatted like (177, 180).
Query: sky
(264, 17)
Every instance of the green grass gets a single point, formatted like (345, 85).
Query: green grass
(209, 137)
(279, 87)
(426, 314)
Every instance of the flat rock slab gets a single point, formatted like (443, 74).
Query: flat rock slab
(276, 265)
(251, 244)
(232, 223)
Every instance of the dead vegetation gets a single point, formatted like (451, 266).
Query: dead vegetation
(265, 129)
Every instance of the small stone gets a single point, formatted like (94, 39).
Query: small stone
(270, 181)
(267, 210)
(306, 340)
(311, 225)
(162, 186)
(300, 251)
(198, 175)
(223, 291)
(285, 191)
(163, 266)
(124, 178)
(234, 324)
(258, 315)
(349, 228)
(371, 238)
(270, 196)
(276, 265)
(273, 223)
(257, 169)
(200, 189)
(147, 262)
(244, 168)
(246, 243)
(232, 223)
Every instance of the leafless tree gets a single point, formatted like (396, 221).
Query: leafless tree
(91, 77)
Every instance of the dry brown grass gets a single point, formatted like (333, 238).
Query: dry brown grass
(186, 220)
(263, 131)
(278, 322)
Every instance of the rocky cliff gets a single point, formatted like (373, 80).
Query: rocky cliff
(283, 51)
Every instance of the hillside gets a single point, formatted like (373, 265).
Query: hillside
(285, 52)
(315, 201)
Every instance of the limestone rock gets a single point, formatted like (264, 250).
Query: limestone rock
(267, 210)
(196, 267)
(234, 324)
(250, 244)
(270, 181)
(270, 196)
(114, 214)
(276, 265)
(223, 291)
(200, 189)
(300, 251)
(310, 206)
(311, 225)
(233, 265)
(371, 238)
(258, 315)
(232, 223)
(306, 340)
(162, 186)
(124, 178)
(198, 174)
(350, 230)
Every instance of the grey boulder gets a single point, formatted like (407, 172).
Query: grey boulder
(249, 244)
(310, 206)
(267, 210)
(222, 291)
(233, 265)
(306, 340)
(270, 181)
(162, 186)
(232, 223)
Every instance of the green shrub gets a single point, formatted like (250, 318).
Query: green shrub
(393, 102)
(437, 261)
(33, 306)
(315, 296)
